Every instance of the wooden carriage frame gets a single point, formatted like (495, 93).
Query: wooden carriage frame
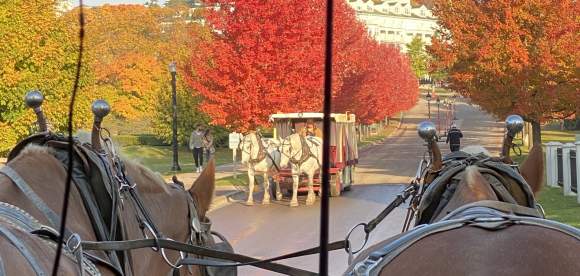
(343, 148)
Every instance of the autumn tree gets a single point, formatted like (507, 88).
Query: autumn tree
(180, 34)
(36, 52)
(267, 57)
(512, 56)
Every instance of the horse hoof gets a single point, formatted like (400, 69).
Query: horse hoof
(249, 203)
(310, 202)
(266, 202)
(293, 203)
(279, 197)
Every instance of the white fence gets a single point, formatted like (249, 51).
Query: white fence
(562, 167)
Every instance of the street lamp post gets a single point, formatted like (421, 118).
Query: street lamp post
(438, 116)
(428, 104)
(173, 70)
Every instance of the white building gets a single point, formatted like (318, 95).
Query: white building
(396, 21)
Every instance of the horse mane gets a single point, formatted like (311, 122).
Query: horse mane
(156, 178)
(36, 149)
(475, 150)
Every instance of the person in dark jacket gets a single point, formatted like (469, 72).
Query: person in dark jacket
(454, 136)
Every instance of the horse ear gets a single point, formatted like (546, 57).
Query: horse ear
(203, 189)
(532, 169)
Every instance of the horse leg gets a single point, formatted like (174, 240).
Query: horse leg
(295, 181)
(278, 191)
(266, 199)
(311, 198)
(250, 200)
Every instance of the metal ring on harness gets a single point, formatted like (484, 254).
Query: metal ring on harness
(347, 248)
(155, 237)
(73, 238)
(182, 256)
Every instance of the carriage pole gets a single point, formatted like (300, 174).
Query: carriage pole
(324, 204)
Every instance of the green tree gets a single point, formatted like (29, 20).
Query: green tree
(37, 52)
(418, 56)
(189, 115)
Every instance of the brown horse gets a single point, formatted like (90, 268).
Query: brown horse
(489, 245)
(46, 176)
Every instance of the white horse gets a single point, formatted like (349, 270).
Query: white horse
(305, 156)
(260, 158)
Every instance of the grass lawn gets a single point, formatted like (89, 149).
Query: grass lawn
(159, 158)
(240, 180)
(558, 207)
(380, 136)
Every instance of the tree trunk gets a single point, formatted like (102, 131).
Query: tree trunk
(536, 133)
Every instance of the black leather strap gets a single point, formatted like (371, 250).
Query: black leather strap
(30, 258)
(206, 252)
(50, 215)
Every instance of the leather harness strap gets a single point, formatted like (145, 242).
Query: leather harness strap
(72, 240)
(484, 217)
(203, 251)
(30, 258)
(48, 213)
(505, 207)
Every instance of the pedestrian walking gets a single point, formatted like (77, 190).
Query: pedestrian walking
(208, 144)
(196, 146)
(454, 136)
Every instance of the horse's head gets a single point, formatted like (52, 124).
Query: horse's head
(249, 146)
(483, 177)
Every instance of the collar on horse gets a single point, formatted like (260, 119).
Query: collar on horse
(437, 193)
(305, 151)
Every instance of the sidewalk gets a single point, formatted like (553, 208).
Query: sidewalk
(222, 194)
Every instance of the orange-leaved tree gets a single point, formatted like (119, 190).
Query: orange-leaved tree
(511, 56)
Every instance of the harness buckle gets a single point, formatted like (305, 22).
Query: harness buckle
(73, 242)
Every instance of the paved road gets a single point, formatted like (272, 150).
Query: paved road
(266, 231)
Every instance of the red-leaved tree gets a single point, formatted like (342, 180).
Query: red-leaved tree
(267, 57)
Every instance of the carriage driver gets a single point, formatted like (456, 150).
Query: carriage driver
(311, 130)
